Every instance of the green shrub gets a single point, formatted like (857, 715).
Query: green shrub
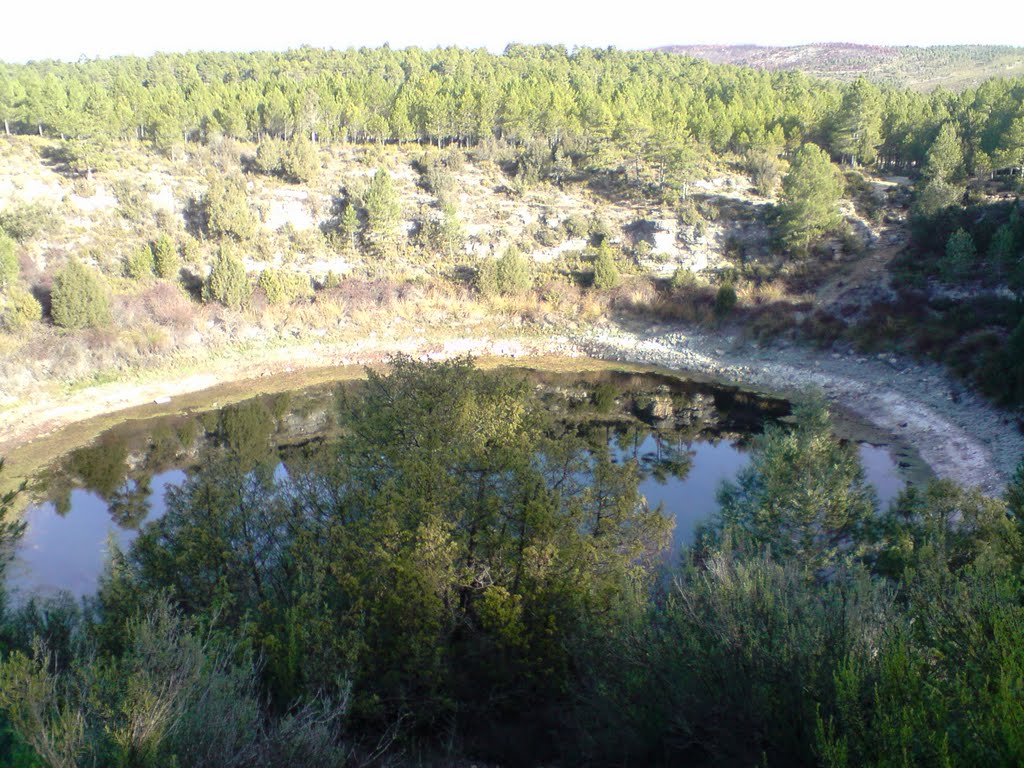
(300, 162)
(959, 258)
(140, 264)
(227, 282)
(283, 287)
(79, 298)
(268, 156)
(508, 275)
(227, 210)
(725, 300)
(166, 261)
(23, 221)
(8, 260)
(20, 309)
(606, 273)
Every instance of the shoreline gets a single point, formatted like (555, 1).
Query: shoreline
(956, 434)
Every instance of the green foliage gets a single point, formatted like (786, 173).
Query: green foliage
(858, 130)
(226, 208)
(810, 198)
(166, 261)
(606, 271)
(79, 297)
(442, 233)
(24, 221)
(300, 162)
(10, 530)
(725, 300)
(508, 275)
(140, 265)
(766, 170)
(383, 210)
(227, 282)
(959, 258)
(9, 266)
(283, 287)
(348, 227)
(945, 159)
(803, 497)
(20, 309)
(268, 155)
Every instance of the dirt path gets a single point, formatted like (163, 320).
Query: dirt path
(957, 434)
(870, 274)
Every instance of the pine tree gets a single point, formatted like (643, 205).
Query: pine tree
(810, 193)
(383, 211)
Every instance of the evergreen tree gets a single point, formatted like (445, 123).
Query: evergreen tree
(79, 298)
(858, 129)
(959, 257)
(300, 162)
(227, 282)
(383, 211)
(227, 209)
(803, 496)
(606, 273)
(810, 197)
(140, 264)
(945, 159)
(166, 261)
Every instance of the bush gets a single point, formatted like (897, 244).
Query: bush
(23, 221)
(8, 260)
(959, 258)
(140, 265)
(300, 163)
(227, 282)
(283, 287)
(268, 156)
(606, 274)
(509, 275)
(79, 298)
(166, 261)
(227, 210)
(725, 300)
(20, 309)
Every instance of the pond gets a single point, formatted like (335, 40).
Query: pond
(687, 438)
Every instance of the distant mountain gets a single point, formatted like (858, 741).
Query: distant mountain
(949, 66)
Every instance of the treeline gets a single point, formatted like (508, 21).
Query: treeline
(464, 576)
(606, 106)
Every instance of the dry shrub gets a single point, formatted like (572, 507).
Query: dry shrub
(167, 305)
(358, 293)
(149, 339)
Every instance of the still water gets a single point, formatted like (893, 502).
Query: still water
(109, 494)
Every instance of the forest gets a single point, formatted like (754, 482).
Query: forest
(606, 107)
(462, 577)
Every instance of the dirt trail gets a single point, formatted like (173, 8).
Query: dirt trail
(867, 275)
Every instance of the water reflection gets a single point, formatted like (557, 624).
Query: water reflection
(686, 438)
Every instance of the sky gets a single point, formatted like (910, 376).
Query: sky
(69, 29)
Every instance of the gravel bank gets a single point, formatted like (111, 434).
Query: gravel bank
(958, 434)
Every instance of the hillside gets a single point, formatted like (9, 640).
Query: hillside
(954, 67)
